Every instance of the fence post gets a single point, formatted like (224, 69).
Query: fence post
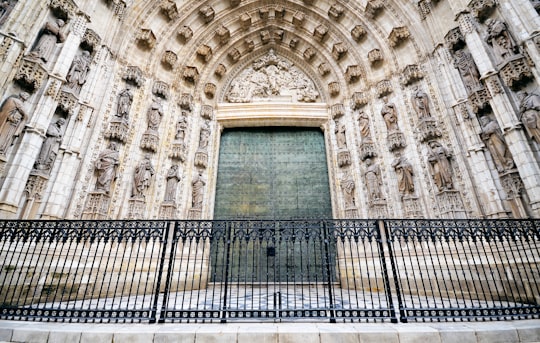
(228, 233)
(326, 238)
(384, 235)
(170, 229)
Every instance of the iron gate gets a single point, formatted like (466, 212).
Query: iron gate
(215, 271)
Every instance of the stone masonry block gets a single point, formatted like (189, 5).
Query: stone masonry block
(30, 336)
(97, 337)
(64, 337)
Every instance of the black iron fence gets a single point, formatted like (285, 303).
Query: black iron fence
(217, 271)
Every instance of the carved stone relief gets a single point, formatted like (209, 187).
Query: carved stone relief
(464, 62)
(106, 167)
(63, 9)
(134, 76)
(324, 69)
(234, 55)
(454, 39)
(207, 112)
(210, 90)
(374, 8)
(496, 145)
(334, 88)
(49, 150)
(375, 56)
(353, 73)
(271, 76)
(384, 87)
(190, 74)
(169, 9)
(339, 50)
(204, 53)
(142, 178)
(481, 9)
(441, 169)
(169, 59)
(293, 43)
(78, 73)
(245, 21)
(367, 147)
(373, 179)
(359, 99)
(173, 178)
(146, 39)
(220, 71)
(161, 89)
(197, 191)
(348, 188)
(67, 102)
(398, 36)
(411, 74)
(186, 102)
(358, 33)
(178, 150)
(529, 109)
(320, 32)
(150, 139)
(516, 72)
(404, 173)
(395, 137)
(119, 126)
(298, 19)
(50, 36)
(336, 11)
(504, 46)
(90, 41)
(185, 33)
(338, 110)
(13, 117)
(207, 13)
(250, 44)
(309, 54)
(223, 34)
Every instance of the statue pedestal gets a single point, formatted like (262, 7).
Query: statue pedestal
(168, 210)
(201, 159)
(451, 205)
(378, 209)
(395, 140)
(150, 141)
(427, 127)
(97, 206)
(351, 213)
(118, 130)
(344, 158)
(178, 151)
(194, 214)
(367, 149)
(411, 207)
(137, 208)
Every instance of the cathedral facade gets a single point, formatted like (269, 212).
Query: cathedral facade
(117, 109)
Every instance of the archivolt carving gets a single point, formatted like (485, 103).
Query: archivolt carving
(220, 70)
(185, 33)
(339, 50)
(271, 76)
(265, 36)
(169, 59)
(190, 74)
(245, 21)
(134, 76)
(337, 110)
(454, 39)
(375, 56)
(334, 88)
(234, 3)
(161, 89)
(384, 87)
(234, 55)
(169, 9)
(353, 73)
(186, 102)
(481, 9)
(250, 44)
(210, 90)
(373, 8)
(298, 19)
(309, 54)
(336, 11)
(204, 52)
(146, 39)
(293, 43)
(207, 13)
(398, 36)
(320, 32)
(324, 69)
(358, 32)
(223, 34)
(359, 99)
(411, 74)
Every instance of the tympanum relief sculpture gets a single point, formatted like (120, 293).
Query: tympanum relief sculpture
(13, 116)
(271, 77)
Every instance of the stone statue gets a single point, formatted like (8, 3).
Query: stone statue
(154, 114)
(142, 176)
(441, 170)
(12, 119)
(373, 180)
(496, 145)
(78, 72)
(173, 177)
(197, 185)
(348, 186)
(420, 102)
(405, 175)
(389, 114)
(50, 36)
(181, 128)
(49, 149)
(5, 9)
(530, 113)
(499, 37)
(363, 123)
(106, 166)
(340, 136)
(125, 99)
(204, 136)
(464, 62)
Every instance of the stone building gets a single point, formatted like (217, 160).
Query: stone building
(117, 109)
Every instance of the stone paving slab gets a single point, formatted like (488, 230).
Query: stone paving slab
(526, 331)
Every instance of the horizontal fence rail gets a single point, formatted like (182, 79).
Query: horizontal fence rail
(264, 270)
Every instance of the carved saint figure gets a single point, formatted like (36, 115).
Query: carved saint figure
(373, 180)
(12, 119)
(420, 102)
(142, 176)
(389, 114)
(341, 138)
(154, 114)
(125, 99)
(49, 149)
(197, 185)
(404, 173)
(50, 36)
(181, 128)
(106, 166)
(530, 113)
(464, 62)
(499, 37)
(365, 132)
(5, 8)
(348, 186)
(78, 72)
(204, 136)
(441, 170)
(173, 177)
(496, 145)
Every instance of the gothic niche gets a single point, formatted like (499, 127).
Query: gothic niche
(272, 78)
(478, 94)
(49, 150)
(496, 145)
(529, 109)
(513, 65)
(78, 73)
(50, 36)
